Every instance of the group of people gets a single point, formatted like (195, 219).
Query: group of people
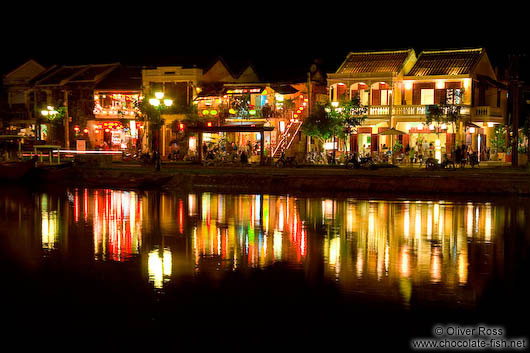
(231, 151)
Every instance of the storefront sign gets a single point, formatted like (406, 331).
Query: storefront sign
(81, 145)
(244, 91)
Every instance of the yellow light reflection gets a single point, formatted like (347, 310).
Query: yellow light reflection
(159, 267)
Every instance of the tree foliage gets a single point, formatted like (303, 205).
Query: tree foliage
(447, 112)
(498, 140)
(58, 117)
(328, 120)
(147, 112)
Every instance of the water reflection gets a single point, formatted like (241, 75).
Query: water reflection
(385, 248)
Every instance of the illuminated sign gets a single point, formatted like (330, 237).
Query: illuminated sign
(244, 91)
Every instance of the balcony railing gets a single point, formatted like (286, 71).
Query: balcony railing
(404, 110)
(126, 113)
(378, 110)
(410, 110)
(487, 111)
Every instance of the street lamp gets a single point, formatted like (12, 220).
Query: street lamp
(49, 111)
(156, 102)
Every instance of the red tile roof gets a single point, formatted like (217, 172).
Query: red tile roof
(369, 62)
(67, 74)
(446, 62)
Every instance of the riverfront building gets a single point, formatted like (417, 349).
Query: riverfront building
(227, 99)
(397, 87)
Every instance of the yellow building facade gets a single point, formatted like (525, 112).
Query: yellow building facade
(397, 88)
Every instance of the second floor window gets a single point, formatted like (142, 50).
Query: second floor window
(453, 96)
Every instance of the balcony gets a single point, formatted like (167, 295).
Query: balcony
(109, 113)
(415, 110)
(403, 110)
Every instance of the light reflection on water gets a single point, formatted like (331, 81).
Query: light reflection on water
(383, 248)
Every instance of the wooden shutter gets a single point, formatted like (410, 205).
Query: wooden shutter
(406, 142)
(354, 143)
(449, 143)
(416, 96)
(375, 142)
(376, 97)
(439, 96)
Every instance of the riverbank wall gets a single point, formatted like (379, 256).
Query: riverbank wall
(256, 181)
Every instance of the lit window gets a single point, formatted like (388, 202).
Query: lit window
(427, 96)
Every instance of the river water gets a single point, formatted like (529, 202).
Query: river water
(344, 269)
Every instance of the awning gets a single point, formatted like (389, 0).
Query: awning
(470, 124)
(392, 131)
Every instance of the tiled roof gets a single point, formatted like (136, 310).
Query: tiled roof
(67, 74)
(59, 75)
(446, 62)
(371, 62)
(93, 72)
(122, 79)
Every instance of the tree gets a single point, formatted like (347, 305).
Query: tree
(498, 140)
(54, 121)
(449, 112)
(334, 120)
(152, 115)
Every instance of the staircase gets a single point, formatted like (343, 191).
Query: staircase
(287, 138)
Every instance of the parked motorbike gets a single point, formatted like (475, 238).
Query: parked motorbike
(363, 162)
(432, 164)
(284, 161)
(473, 159)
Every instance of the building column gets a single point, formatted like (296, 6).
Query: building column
(66, 121)
(262, 146)
(489, 133)
(199, 146)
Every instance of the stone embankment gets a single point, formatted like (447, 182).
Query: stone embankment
(272, 180)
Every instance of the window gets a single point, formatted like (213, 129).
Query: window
(17, 97)
(453, 96)
(427, 96)
(384, 97)
(365, 94)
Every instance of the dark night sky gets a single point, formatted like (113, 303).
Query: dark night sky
(279, 42)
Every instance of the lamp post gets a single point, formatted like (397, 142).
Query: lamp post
(156, 102)
(49, 113)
